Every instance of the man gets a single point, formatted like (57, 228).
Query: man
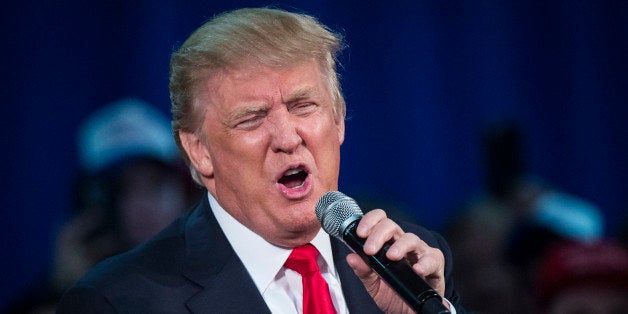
(259, 117)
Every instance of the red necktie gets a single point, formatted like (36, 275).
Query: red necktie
(316, 297)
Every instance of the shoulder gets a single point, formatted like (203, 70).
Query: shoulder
(160, 254)
(105, 287)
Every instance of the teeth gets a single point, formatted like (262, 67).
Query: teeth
(292, 172)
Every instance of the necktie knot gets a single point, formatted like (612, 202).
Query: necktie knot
(303, 260)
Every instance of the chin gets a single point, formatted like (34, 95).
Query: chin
(303, 223)
(301, 238)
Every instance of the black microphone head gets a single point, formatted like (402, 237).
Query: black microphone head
(335, 211)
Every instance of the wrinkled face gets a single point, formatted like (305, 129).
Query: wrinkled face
(269, 148)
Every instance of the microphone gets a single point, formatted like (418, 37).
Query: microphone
(339, 216)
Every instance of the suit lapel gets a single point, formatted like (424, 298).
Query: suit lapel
(224, 284)
(229, 291)
(211, 263)
(357, 298)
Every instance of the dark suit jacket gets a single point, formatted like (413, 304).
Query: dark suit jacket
(191, 267)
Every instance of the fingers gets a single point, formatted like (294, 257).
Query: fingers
(430, 263)
(359, 266)
(378, 230)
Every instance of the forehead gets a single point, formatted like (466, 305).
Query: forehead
(259, 83)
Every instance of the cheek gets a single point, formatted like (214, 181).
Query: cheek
(321, 128)
(327, 135)
(241, 159)
(235, 142)
(324, 144)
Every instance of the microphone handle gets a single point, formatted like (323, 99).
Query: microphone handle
(398, 275)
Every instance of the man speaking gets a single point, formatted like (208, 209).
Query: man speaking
(258, 114)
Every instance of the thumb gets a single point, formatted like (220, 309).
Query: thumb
(368, 277)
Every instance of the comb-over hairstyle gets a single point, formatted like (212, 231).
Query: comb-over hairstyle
(266, 36)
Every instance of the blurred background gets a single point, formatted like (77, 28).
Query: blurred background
(500, 124)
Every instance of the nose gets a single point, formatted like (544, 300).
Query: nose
(285, 133)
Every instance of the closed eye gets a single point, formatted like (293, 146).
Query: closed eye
(247, 118)
(302, 109)
(250, 122)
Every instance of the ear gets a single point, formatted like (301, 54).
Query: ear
(340, 126)
(198, 153)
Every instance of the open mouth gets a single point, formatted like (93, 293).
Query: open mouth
(293, 178)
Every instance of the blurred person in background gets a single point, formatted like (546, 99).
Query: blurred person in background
(502, 234)
(131, 184)
(579, 277)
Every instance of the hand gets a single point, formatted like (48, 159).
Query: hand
(427, 262)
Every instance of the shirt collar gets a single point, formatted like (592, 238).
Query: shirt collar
(262, 259)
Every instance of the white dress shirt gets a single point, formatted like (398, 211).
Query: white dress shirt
(280, 286)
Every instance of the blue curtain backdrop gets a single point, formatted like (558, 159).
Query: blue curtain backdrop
(422, 79)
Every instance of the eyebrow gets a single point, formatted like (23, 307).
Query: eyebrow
(246, 111)
(300, 93)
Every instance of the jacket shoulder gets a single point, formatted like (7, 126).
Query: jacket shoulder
(140, 279)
